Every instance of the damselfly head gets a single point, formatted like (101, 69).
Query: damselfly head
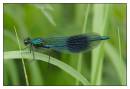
(27, 41)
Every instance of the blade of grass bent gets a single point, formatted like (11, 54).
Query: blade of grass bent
(43, 57)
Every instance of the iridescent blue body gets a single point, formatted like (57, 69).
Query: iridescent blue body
(75, 44)
(37, 42)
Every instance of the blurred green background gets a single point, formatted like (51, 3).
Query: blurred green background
(104, 65)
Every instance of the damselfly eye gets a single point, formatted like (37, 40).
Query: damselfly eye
(27, 41)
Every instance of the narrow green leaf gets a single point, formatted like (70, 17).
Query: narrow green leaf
(80, 56)
(99, 23)
(24, 68)
(43, 57)
(117, 62)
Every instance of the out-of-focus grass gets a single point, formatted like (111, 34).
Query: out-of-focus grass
(99, 26)
(100, 67)
(117, 62)
(83, 31)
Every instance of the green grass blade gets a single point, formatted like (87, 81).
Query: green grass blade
(24, 68)
(80, 57)
(99, 23)
(117, 62)
(43, 57)
(119, 42)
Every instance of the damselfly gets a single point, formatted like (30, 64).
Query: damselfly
(73, 44)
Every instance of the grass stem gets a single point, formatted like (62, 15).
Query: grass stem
(80, 57)
(24, 68)
(120, 58)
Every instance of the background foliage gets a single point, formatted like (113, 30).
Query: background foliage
(104, 65)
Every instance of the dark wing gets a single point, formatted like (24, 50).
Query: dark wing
(75, 44)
